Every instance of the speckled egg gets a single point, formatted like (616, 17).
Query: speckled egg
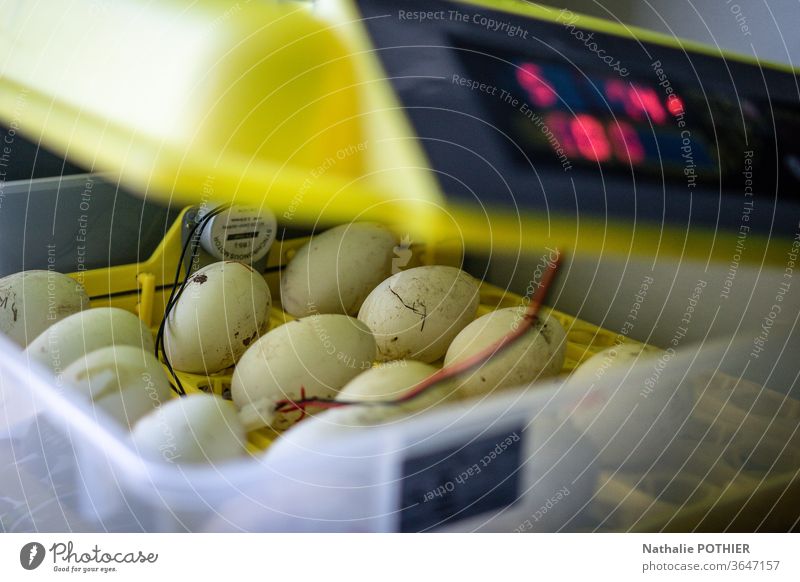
(538, 354)
(32, 301)
(415, 314)
(223, 309)
(311, 357)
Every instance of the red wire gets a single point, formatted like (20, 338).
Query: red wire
(461, 367)
(302, 407)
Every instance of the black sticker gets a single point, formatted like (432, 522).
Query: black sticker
(242, 235)
(456, 483)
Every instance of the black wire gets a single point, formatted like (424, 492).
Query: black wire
(177, 289)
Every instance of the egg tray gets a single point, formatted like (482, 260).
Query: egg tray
(583, 341)
(731, 466)
(143, 289)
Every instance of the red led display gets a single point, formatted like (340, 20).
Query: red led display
(631, 109)
(650, 103)
(627, 145)
(638, 102)
(675, 105)
(559, 125)
(585, 136)
(530, 78)
(591, 138)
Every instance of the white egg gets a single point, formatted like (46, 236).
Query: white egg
(223, 309)
(194, 429)
(125, 381)
(386, 381)
(538, 354)
(375, 387)
(329, 425)
(415, 314)
(335, 271)
(82, 333)
(617, 357)
(624, 404)
(313, 357)
(32, 301)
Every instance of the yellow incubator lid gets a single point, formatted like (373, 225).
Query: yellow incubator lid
(252, 102)
(496, 125)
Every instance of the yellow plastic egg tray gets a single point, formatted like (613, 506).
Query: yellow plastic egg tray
(143, 289)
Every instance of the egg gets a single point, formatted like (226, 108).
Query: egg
(626, 400)
(199, 428)
(125, 381)
(32, 301)
(375, 388)
(313, 357)
(617, 357)
(415, 314)
(82, 333)
(223, 309)
(386, 381)
(335, 271)
(538, 354)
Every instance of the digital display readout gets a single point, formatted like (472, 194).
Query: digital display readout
(637, 111)
(594, 117)
(600, 119)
